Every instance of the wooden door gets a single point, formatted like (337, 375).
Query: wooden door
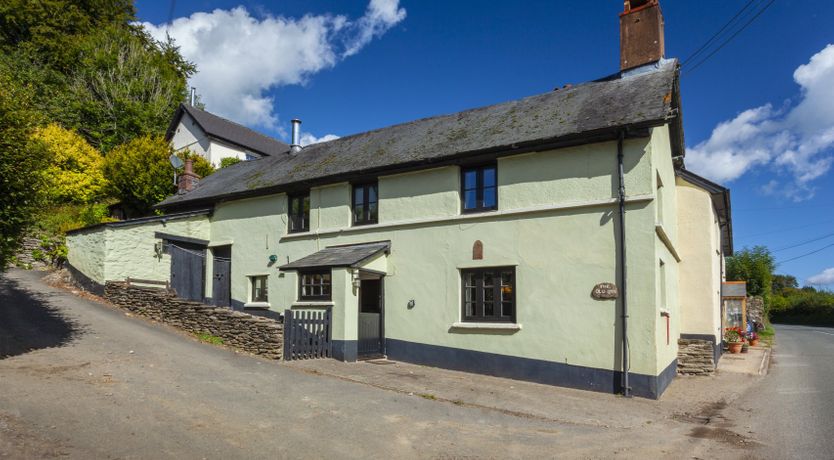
(187, 270)
(221, 287)
(370, 317)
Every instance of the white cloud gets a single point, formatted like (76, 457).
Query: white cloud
(793, 141)
(308, 139)
(240, 57)
(824, 277)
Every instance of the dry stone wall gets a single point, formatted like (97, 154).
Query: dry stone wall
(254, 334)
(755, 309)
(695, 357)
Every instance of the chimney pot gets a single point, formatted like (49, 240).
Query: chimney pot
(641, 33)
(295, 145)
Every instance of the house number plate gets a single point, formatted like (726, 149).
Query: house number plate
(603, 291)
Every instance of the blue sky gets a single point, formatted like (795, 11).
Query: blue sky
(346, 67)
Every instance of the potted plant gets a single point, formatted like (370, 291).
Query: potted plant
(734, 338)
(753, 338)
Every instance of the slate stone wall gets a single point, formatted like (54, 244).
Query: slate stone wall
(755, 309)
(254, 334)
(26, 253)
(696, 357)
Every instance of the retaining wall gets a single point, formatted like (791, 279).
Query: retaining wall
(696, 357)
(254, 334)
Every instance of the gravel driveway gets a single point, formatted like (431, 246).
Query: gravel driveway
(85, 380)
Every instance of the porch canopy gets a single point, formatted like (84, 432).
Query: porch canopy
(349, 256)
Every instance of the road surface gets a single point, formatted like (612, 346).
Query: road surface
(81, 379)
(791, 412)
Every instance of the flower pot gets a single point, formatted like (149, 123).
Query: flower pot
(744, 347)
(754, 342)
(734, 347)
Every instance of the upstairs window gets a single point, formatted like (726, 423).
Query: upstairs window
(299, 213)
(488, 295)
(314, 285)
(479, 188)
(365, 204)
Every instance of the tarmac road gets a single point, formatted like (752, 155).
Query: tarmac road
(792, 410)
(80, 379)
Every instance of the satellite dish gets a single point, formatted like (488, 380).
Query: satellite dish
(176, 162)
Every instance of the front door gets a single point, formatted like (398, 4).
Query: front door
(221, 284)
(371, 308)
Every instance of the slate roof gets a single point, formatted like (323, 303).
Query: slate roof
(229, 131)
(734, 289)
(339, 256)
(720, 196)
(583, 113)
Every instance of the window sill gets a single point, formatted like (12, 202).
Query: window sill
(256, 306)
(312, 303)
(487, 326)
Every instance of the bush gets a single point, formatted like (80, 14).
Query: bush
(228, 161)
(75, 173)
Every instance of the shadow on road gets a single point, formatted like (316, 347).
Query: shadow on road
(28, 322)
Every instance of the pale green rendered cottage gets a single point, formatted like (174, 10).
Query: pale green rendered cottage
(475, 241)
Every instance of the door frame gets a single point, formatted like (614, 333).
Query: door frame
(374, 275)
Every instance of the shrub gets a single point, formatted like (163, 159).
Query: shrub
(228, 161)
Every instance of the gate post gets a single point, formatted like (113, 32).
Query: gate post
(288, 335)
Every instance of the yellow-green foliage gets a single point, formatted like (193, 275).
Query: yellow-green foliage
(75, 173)
(140, 174)
(202, 167)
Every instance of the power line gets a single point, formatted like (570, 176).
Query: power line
(804, 242)
(726, 42)
(715, 35)
(171, 11)
(806, 254)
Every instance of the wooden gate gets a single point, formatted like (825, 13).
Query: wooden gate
(307, 334)
(187, 270)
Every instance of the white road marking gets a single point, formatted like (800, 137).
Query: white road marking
(821, 332)
(797, 391)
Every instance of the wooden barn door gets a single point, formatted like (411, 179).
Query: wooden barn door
(187, 270)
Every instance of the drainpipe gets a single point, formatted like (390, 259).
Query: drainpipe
(622, 256)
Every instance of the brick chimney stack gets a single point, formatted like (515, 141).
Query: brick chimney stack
(188, 179)
(641, 33)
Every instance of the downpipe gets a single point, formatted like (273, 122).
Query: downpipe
(623, 282)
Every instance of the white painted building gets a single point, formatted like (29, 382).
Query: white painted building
(215, 138)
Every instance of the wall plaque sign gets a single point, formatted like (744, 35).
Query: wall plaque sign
(604, 291)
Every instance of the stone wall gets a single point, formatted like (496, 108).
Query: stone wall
(258, 335)
(755, 309)
(696, 357)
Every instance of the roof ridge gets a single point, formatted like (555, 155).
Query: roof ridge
(188, 108)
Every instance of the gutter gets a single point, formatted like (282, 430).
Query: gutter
(623, 281)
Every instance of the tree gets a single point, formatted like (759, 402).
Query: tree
(783, 282)
(76, 170)
(126, 85)
(22, 162)
(755, 266)
(200, 165)
(141, 175)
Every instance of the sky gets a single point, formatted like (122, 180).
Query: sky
(758, 114)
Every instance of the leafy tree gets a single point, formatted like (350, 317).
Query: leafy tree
(53, 29)
(22, 162)
(126, 85)
(783, 282)
(141, 175)
(228, 161)
(755, 266)
(75, 173)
